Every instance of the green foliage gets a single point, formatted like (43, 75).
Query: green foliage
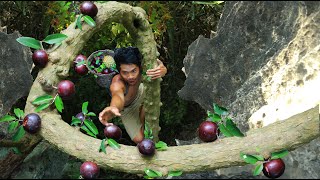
(151, 174)
(14, 124)
(62, 14)
(161, 146)
(111, 142)
(259, 160)
(86, 19)
(36, 44)
(147, 131)
(226, 126)
(87, 124)
(44, 101)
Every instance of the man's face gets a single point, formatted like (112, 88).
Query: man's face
(130, 73)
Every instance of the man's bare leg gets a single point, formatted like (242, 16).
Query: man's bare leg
(140, 135)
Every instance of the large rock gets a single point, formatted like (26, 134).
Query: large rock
(263, 66)
(15, 67)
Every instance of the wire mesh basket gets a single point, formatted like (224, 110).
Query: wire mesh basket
(102, 65)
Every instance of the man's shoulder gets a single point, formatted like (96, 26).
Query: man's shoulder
(117, 82)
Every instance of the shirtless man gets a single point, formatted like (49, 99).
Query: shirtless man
(127, 92)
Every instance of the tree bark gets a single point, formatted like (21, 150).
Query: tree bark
(298, 129)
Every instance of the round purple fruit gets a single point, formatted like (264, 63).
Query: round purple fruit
(31, 123)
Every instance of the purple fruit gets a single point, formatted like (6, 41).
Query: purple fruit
(113, 132)
(89, 170)
(31, 123)
(147, 147)
(40, 58)
(88, 8)
(273, 168)
(208, 131)
(66, 89)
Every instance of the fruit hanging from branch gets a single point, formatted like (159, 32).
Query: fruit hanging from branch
(40, 58)
(89, 170)
(89, 8)
(79, 64)
(66, 89)
(32, 123)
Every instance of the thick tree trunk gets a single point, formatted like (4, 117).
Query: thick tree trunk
(288, 134)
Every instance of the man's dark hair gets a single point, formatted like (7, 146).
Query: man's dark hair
(127, 55)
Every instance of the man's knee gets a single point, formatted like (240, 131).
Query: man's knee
(138, 137)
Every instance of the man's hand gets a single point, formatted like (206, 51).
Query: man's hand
(157, 72)
(107, 114)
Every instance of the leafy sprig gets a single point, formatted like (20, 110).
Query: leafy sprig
(14, 124)
(226, 126)
(150, 173)
(253, 159)
(36, 44)
(86, 125)
(86, 19)
(44, 101)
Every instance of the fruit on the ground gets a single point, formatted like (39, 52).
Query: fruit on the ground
(146, 147)
(112, 131)
(40, 58)
(273, 168)
(81, 116)
(80, 69)
(89, 170)
(208, 131)
(31, 123)
(66, 89)
(88, 8)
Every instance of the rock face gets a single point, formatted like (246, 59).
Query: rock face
(263, 66)
(15, 66)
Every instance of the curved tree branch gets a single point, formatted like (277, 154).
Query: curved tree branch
(288, 134)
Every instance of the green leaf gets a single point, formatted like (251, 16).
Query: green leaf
(279, 154)
(42, 99)
(257, 170)
(231, 126)
(224, 130)
(88, 131)
(147, 131)
(248, 158)
(215, 118)
(16, 151)
(175, 173)
(91, 114)
(259, 157)
(75, 121)
(12, 126)
(102, 146)
(152, 173)
(59, 103)
(78, 22)
(219, 110)
(7, 118)
(19, 134)
(81, 63)
(112, 143)
(85, 107)
(42, 107)
(55, 38)
(91, 126)
(29, 42)
(160, 145)
(89, 20)
(18, 112)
